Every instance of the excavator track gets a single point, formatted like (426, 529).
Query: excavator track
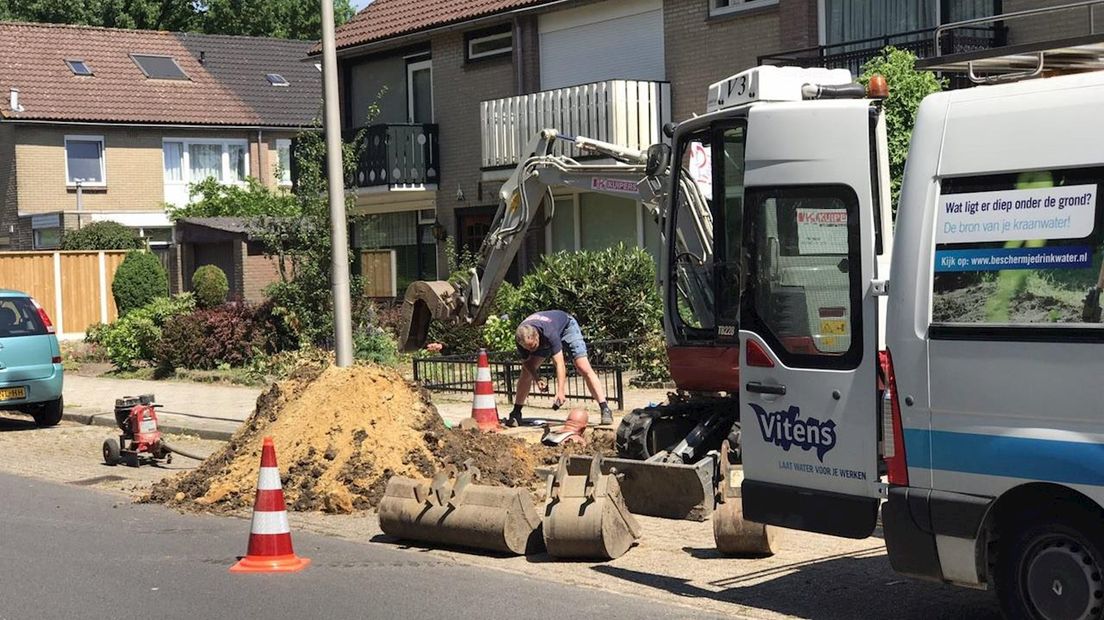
(645, 432)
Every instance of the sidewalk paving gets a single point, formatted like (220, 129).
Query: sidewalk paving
(208, 411)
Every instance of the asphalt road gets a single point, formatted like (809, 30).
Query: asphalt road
(72, 552)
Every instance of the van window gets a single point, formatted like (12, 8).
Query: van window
(19, 317)
(1019, 249)
(803, 282)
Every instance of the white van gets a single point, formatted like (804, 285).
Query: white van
(990, 429)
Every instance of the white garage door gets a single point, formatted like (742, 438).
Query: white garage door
(619, 39)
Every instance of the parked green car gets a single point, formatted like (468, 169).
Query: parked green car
(30, 359)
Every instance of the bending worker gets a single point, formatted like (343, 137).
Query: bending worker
(543, 335)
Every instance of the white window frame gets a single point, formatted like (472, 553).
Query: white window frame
(411, 68)
(141, 230)
(103, 161)
(185, 159)
(278, 171)
(501, 51)
(728, 7)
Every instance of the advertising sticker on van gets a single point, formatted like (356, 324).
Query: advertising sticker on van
(821, 231)
(1016, 214)
(786, 428)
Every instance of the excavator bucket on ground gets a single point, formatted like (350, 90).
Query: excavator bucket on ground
(733, 534)
(461, 514)
(659, 489)
(423, 303)
(585, 516)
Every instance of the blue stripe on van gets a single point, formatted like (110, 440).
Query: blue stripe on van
(1013, 457)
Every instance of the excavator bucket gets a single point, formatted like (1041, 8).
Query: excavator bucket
(585, 516)
(733, 534)
(423, 303)
(658, 489)
(461, 514)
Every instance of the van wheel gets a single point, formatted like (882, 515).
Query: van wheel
(1052, 569)
(48, 414)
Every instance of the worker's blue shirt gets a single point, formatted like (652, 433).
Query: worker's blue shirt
(550, 324)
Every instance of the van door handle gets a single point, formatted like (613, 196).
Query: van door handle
(759, 388)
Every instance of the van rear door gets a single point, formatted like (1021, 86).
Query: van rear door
(809, 319)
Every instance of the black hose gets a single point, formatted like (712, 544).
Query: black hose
(173, 450)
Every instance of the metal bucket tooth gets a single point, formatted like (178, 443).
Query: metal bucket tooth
(461, 514)
(423, 303)
(733, 534)
(659, 489)
(585, 515)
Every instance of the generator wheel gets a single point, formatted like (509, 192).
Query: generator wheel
(111, 452)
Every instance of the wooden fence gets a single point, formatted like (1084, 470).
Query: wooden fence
(377, 267)
(73, 287)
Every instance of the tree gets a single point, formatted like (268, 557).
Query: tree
(291, 19)
(213, 199)
(288, 19)
(101, 236)
(907, 88)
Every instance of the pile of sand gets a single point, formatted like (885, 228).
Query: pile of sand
(340, 434)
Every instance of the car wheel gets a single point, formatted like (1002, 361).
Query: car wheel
(49, 414)
(1052, 568)
(111, 452)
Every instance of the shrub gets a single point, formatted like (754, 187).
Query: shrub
(375, 345)
(210, 286)
(611, 292)
(95, 332)
(102, 236)
(135, 337)
(228, 335)
(139, 280)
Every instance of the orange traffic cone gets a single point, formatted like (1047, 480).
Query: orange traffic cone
(270, 536)
(484, 408)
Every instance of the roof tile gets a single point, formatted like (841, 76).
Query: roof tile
(228, 88)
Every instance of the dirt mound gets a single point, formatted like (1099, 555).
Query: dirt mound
(340, 434)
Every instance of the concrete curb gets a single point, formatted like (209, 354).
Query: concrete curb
(108, 419)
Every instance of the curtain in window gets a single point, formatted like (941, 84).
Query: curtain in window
(855, 20)
(174, 161)
(238, 170)
(205, 160)
(283, 166)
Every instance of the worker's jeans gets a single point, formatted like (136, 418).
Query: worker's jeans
(573, 338)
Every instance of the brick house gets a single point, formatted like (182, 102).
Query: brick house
(461, 86)
(106, 124)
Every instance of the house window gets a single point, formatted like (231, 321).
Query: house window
(192, 161)
(84, 160)
(47, 238)
(79, 67)
(490, 43)
(159, 236)
(723, 7)
(283, 162)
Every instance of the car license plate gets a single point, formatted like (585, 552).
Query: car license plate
(834, 327)
(13, 393)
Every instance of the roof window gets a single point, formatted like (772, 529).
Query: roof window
(276, 79)
(79, 67)
(159, 67)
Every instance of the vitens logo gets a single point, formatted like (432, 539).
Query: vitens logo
(785, 429)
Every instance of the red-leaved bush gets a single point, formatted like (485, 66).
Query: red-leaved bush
(231, 334)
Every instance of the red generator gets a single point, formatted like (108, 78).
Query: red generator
(140, 440)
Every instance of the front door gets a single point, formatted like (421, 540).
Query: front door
(808, 320)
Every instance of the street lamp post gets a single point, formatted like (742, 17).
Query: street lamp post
(343, 324)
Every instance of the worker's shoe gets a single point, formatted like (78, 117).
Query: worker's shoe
(607, 417)
(515, 418)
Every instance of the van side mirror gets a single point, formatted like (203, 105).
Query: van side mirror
(659, 158)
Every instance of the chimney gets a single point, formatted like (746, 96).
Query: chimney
(202, 57)
(15, 107)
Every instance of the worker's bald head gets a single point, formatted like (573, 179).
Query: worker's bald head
(528, 337)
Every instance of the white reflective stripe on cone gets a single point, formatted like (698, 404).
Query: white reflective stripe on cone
(483, 374)
(484, 401)
(269, 480)
(270, 523)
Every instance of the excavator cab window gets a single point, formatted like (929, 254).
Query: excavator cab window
(691, 241)
(728, 229)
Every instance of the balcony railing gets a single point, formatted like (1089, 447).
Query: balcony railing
(854, 54)
(398, 156)
(626, 112)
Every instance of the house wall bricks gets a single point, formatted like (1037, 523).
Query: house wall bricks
(798, 22)
(702, 50)
(8, 186)
(458, 89)
(258, 271)
(1059, 24)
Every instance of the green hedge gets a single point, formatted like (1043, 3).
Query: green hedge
(139, 280)
(210, 286)
(101, 236)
